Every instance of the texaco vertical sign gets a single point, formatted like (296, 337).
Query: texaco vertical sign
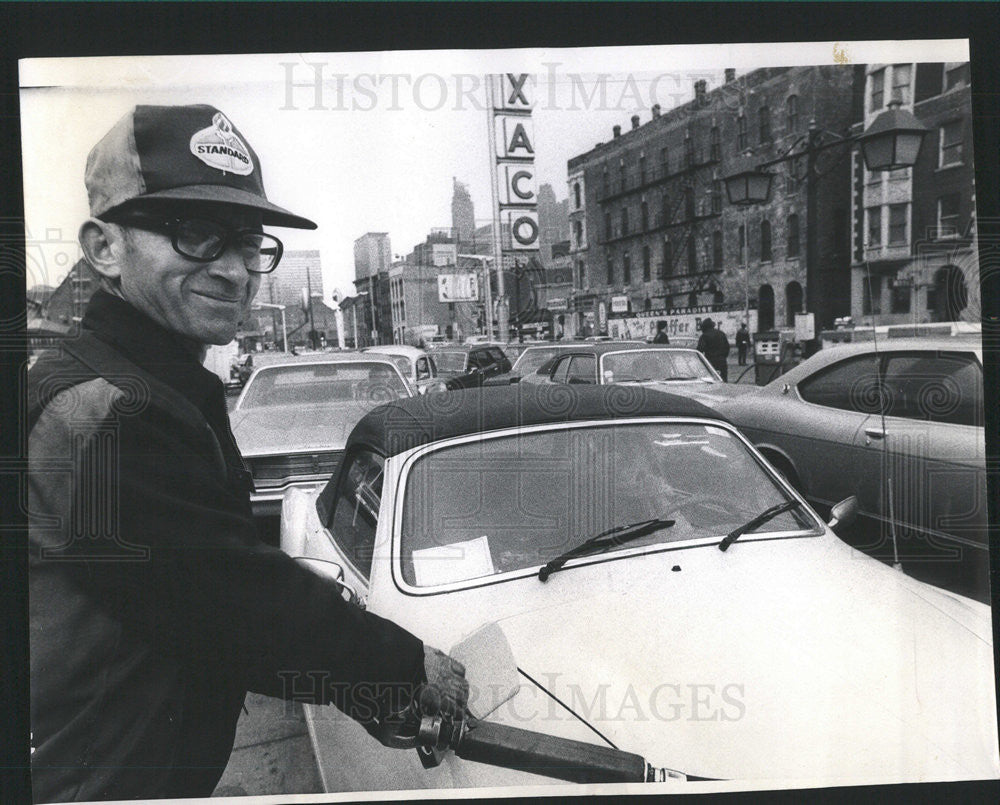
(514, 155)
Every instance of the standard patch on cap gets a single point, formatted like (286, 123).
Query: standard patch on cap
(220, 147)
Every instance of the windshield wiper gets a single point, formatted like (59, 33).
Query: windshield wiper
(760, 519)
(613, 537)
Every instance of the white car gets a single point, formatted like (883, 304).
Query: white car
(693, 631)
(416, 365)
(293, 417)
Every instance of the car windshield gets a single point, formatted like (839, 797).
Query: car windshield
(305, 384)
(517, 501)
(405, 364)
(450, 362)
(654, 364)
(532, 358)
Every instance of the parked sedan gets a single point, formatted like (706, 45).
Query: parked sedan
(416, 366)
(900, 427)
(674, 369)
(533, 357)
(468, 366)
(293, 418)
(659, 587)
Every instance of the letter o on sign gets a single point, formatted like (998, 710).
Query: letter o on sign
(524, 230)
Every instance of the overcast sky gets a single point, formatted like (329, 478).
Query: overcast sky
(374, 145)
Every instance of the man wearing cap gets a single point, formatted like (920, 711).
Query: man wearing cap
(714, 345)
(154, 607)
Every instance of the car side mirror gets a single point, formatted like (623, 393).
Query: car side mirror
(333, 571)
(843, 514)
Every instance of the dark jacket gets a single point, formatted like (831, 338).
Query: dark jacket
(661, 337)
(154, 606)
(714, 345)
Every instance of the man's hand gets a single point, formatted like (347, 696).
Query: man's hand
(447, 690)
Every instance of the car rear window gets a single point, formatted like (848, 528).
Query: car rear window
(322, 383)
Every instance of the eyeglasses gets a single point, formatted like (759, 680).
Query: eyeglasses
(205, 239)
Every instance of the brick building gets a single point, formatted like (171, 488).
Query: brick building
(651, 230)
(914, 256)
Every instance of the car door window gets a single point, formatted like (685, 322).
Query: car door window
(423, 370)
(582, 369)
(934, 387)
(851, 385)
(561, 373)
(478, 360)
(355, 513)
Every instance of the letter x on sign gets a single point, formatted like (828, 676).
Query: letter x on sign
(516, 93)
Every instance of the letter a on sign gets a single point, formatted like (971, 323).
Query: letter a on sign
(515, 137)
(519, 141)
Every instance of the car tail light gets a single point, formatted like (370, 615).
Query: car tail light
(280, 470)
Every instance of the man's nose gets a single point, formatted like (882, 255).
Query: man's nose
(231, 266)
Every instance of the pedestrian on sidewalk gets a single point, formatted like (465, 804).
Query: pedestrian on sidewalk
(714, 345)
(742, 344)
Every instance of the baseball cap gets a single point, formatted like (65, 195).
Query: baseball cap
(179, 153)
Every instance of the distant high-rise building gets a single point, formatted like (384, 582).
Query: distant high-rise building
(463, 218)
(553, 221)
(372, 254)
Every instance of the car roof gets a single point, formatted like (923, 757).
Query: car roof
(328, 357)
(603, 347)
(394, 349)
(401, 425)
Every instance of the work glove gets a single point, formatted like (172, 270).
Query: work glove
(447, 690)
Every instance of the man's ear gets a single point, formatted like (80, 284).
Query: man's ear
(103, 245)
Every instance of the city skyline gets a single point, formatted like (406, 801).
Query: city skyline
(379, 150)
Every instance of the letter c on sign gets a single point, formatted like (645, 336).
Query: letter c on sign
(515, 180)
(519, 236)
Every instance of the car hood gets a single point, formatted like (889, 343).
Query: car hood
(287, 428)
(775, 673)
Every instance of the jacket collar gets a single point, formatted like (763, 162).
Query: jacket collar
(169, 357)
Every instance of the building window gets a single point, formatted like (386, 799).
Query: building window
(716, 196)
(576, 194)
(947, 214)
(930, 80)
(624, 220)
(623, 175)
(901, 83)
(693, 299)
(611, 272)
(765, 241)
(793, 235)
(666, 267)
(792, 112)
(742, 236)
(741, 133)
(899, 299)
(764, 123)
(692, 254)
(689, 211)
(642, 170)
(626, 268)
(688, 151)
(874, 226)
(956, 76)
(877, 96)
(646, 267)
(606, 182)
(715, 144)
(871, 295)
(665, 160)
(644, 216)
(665, 210)
(578, 233)
(608, 234)
(951, 144)
(581, 277)
(897, 224)
(717, 249)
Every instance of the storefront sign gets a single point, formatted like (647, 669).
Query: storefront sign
(458, 287)
(619, 304)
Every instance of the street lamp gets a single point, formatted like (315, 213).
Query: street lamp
(891, 142)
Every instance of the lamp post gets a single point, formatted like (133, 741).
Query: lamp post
(891, 142)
